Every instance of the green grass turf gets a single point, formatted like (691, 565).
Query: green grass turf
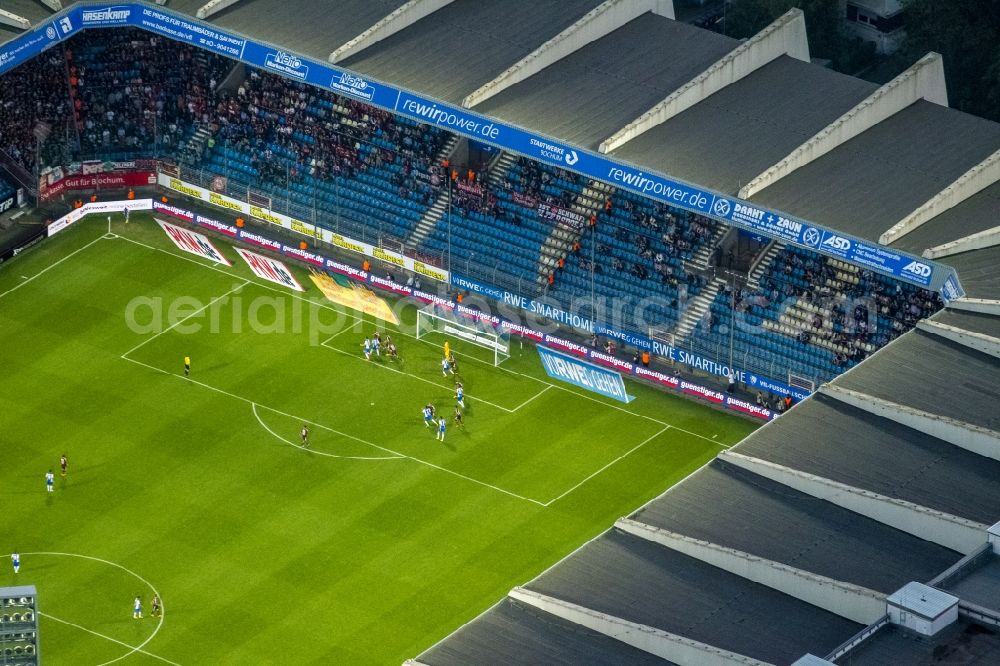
(261, 551)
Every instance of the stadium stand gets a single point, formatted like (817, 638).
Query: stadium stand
(136, 94)
(319, 150)
(792, 541)
(354, 168)
(822, 314)
(35, 108)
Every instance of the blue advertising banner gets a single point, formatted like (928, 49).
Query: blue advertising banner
(740, 213)
(586, 375)
(30, 44)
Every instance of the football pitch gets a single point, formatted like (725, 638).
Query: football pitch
(364, 548)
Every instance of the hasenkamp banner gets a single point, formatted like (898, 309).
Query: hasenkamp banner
(586, 375)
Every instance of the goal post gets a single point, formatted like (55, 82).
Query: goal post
(480, 333)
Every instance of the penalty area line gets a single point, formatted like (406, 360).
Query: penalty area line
(607, 465)
(470, 479)
(532, 398)
(108, 638)
(181, 321)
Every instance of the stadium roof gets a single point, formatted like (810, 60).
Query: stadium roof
(976, 322)
(590, 94)
(922, 359)
(513, 633)
(723, 504)
(869, 183)
(964, 642)
(979, 271)
(845, 444)
(306, 26)
(981, 585)
(640, 581)
(732, 136)
(465, 44)
(977, 213)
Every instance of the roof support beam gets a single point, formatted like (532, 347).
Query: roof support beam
(959, 534)
(214, 7)
(981, 305)
(923, 80)
(598, 22)
(671, 647)
(980, 342)
(402, 17)
(977, 241)
(854, 602)
(54, 5)
(785, 36)
(976, 439)
(973, 181)
(13, 20)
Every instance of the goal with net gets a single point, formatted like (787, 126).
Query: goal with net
(437, 321)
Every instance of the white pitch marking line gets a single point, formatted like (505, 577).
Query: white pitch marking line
(343, 434)
(163, 606)
(109, 638)
(532, 398)
(320, 453)
(48, 268)
(419, 378)
(181, 321)
(329, 306)
(627, 453)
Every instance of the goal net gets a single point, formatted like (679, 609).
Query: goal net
(436, 321)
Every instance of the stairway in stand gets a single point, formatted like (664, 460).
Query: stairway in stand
(437, 210)
(561, 239)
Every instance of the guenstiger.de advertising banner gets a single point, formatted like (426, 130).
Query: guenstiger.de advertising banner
(304, 228)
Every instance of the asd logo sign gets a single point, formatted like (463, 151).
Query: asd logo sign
(583, 374)
(287, 64)
(917, 268)
(837, 245)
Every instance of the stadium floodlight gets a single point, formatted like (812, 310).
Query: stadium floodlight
(478, 332)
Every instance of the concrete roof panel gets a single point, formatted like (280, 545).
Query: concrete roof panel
(901, 372)
(465, 44)
(978, 271)
(637, 580)
(633, 68)
(874, 180)
(731, 507)
(514, 633)
(978, 213)
(732, 136)
(845, 444)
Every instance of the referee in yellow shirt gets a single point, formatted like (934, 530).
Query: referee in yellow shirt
(187, 366)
